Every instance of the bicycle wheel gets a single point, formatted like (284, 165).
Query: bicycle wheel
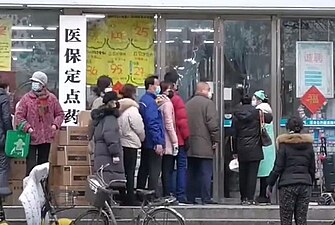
(92, 217)
(164, 216)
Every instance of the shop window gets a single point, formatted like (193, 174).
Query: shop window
(293, 30)
(122, 47)
(247, 59)
(189, 50)
(34, 47)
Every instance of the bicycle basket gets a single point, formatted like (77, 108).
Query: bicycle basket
(96, 192)
(61, 199)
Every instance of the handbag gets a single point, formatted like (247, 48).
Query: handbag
(234, 165)
(17, 143)
(265, 137)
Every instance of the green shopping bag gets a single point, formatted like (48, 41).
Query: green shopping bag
(17, 143)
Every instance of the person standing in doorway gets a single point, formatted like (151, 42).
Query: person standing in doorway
(42, 115)
(132, 134)
(205, 135)
(154, 142)
(183, 134)
(6, 125)
(295, 169)
(260, 101)
(246, 124)
(171, 141)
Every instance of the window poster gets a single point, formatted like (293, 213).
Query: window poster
(314, 67)
(72, 67)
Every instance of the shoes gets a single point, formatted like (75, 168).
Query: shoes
(263, 201)
(209, 202)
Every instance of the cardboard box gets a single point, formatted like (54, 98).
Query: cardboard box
(71, 175)
(84, 118)
(17, 187)
(63, 195)
(74, 136)
(17, 169)
(73, 156)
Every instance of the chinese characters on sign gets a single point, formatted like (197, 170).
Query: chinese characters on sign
(314, 65)
(121, 47)
(313, 100)
(72, 67)
(5, 45)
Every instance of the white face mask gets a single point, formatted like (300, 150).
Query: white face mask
(108, 89)
(254, 102)
(210, 95)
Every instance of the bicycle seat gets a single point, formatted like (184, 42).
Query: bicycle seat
(117, 184)
(5, 191)
(145, 193)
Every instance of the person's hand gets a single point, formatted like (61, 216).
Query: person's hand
(268, 191)
(159, 150)
(235, 156)
(175, 150)
(215, 146)
(30, 130)
(54, 127)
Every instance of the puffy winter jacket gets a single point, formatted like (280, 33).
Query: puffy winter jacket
(167, 111)
(108, 149)
(153, 122)
(246, 123)
(182, 129)
(27, 111)
(295, 161)
(6, 118)
(131, 124)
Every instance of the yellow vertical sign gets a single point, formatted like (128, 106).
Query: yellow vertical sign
(5, 45)
(122, 48)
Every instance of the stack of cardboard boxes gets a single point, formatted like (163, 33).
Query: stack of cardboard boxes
(71, 165)
(17, 173)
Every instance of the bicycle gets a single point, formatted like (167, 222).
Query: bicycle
(100, 195)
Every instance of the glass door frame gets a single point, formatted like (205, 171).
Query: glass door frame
(218, 76)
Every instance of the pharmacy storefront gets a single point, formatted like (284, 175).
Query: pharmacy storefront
(284, 48)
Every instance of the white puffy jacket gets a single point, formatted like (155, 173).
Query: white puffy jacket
(131, 124)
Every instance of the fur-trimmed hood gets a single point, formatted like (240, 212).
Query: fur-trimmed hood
(126, 103)
(294, 139)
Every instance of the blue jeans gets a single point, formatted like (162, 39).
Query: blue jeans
(4, 173)
(181, 174)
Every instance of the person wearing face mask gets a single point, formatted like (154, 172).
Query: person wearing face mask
(132, 134)
(259, 100)
(6, 124)
(205, 134)
(248, 146)
(171, 140)
(183, 134)
(154, 142)
(42, 115)
(108, 148)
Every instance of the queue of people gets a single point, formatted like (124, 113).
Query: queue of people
(172, 136)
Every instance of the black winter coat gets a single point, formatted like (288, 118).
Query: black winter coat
(108, 149)
(5, 117)
(246, 124)
(295, 162)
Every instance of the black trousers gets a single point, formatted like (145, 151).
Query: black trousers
(167, 170)
(150, 169)
(38, 154)
(263, 184)
(129, 159)
(294, 200)
(248, 179)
